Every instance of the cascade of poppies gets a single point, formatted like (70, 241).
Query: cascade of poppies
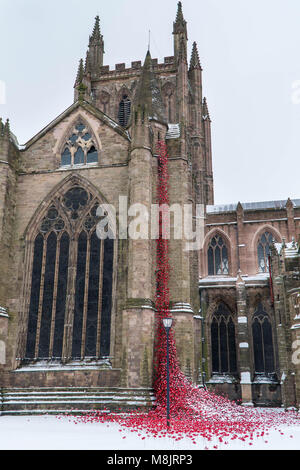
(178, 382)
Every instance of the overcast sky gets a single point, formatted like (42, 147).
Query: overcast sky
(250, 54)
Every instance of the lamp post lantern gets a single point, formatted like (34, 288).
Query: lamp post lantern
(168, 325)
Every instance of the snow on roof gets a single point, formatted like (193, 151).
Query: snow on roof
(291, 249)
(248, 206)
(227, 280)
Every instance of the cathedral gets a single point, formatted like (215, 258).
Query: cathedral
(77, 313)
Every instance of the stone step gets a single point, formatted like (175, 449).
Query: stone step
(65, 399)
(74, 400)
(73, 406)
(76, 389)
(44, 411)
(71, 393)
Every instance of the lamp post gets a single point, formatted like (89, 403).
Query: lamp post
(168, 325)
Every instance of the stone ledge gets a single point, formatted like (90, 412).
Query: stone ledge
(45, 366)
(139, 304)
(181, 307)
(222, 379)
(3, 312)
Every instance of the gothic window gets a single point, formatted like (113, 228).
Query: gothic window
(124, 111)
(80, 148)
(262, 342)
(66, 253)
(217, 256)
(79, 156)
(263, 251)
(223, 347)
(66, 157)
(92, 155)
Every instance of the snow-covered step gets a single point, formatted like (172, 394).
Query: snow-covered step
(76, 390)
(45, 411)
(56, 400)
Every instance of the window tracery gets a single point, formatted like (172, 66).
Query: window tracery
(66, 253)
(263, 251)
(80, 148)
(217, 257)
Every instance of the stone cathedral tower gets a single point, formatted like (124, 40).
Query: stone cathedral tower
(77, 313)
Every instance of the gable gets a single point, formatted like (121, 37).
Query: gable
(43, 152)
(84, 107)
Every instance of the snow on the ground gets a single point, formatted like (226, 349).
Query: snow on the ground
(62, 433)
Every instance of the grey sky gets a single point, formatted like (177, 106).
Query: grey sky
(249, 50)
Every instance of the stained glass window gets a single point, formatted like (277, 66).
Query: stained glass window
(44, 340)
(35, 296)
(67, 251)
(223, 346)
(92, 155)
(217, 257)
(79, 157)
(80, 127)
(124, 111)
(93, 296)
(73, 138)
(262, 342)
(107, 296)
(60, 308)
(263, 251)
(80, 149)
(79, 296)
(66, 158)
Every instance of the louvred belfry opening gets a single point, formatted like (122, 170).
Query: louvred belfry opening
(124, 111)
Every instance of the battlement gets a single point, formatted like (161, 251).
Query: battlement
(120, 69)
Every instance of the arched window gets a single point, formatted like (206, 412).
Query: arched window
(66, 157)
(223, 348)
(80, 149)
(71, 282)
(92, 155)
(262, 342)
(217, 257)
(263, 251)
(124, 111)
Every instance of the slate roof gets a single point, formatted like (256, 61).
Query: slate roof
(251, 206)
